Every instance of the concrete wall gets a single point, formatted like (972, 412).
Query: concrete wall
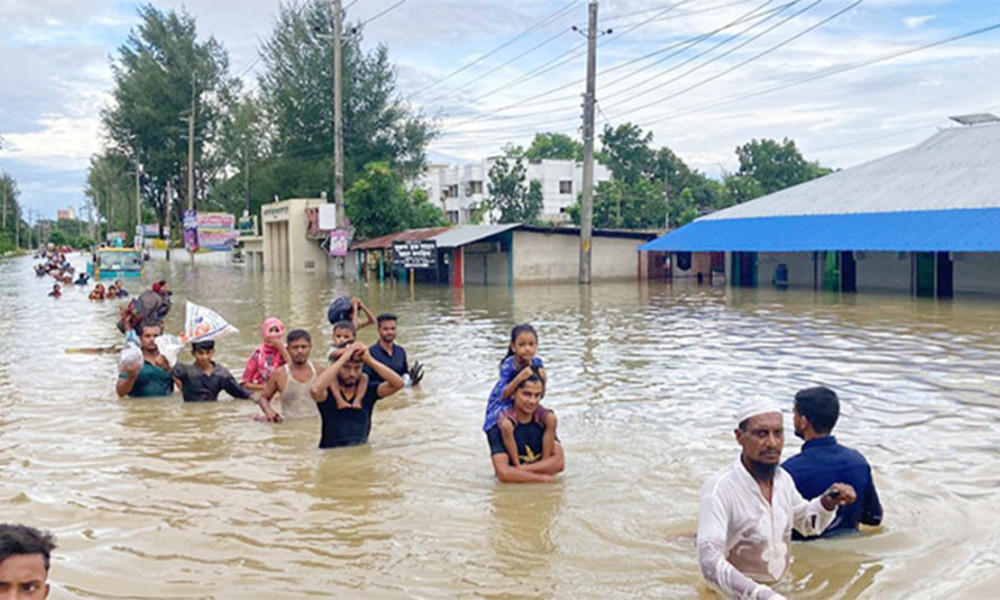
(487, 268)
(976, 273)
(800, 265)
(542, 257)
(884, 271)
(286, 246)
(201, 258)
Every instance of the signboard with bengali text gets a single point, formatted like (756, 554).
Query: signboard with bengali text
(414, 255)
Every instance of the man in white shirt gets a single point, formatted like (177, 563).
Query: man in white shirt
(748, 509)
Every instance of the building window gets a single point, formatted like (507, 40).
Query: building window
(565, 187)
(473, 187)
(453, 216)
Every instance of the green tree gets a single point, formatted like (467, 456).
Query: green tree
(627, 152)
(159, 71)
(776, 166)
(296, 92)
(643, 180)
(379, 204)
(111, 187)
(13, 231)
(507, 194)
(242, 144)
(554, 145)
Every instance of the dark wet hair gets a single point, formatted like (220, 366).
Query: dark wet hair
(820, 405)
(345, 324)
(516, 331)
(152, 323)
(298, 334)
(21, 539)
(533, 378)
(385, 317)
(204, 345)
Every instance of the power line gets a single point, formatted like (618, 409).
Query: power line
(529, 101)
(497, 68)
(823, 74)
(535, 27)
(553, 64)
(381, 14)
(768, 15)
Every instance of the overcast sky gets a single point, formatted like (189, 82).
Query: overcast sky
(492, 72)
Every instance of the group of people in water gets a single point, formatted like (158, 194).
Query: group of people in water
(282, 378)
(749, 511)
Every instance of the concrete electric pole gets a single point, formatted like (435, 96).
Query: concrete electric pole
(338, 117)
(190, 169)
(587, 197)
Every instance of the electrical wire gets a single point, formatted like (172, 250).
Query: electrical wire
(565, 8)
(382, 14)
(821, 75)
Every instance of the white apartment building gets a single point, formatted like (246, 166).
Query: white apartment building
(458, 189)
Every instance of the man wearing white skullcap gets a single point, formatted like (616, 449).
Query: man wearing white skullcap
(748, 509)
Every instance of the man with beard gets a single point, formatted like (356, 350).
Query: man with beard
(293, 381)
(391, 354)
(748, 509)
(153, 377)
(823, 460)
(350, 425)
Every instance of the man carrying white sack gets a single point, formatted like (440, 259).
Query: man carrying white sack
(748, 509)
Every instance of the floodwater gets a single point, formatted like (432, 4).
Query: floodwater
(158, 499)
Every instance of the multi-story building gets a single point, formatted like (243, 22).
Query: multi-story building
(66, 214)
(460, 189)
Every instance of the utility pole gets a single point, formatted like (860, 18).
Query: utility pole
(338, 117)
(666, 195)
(587, 199)
(190, 171)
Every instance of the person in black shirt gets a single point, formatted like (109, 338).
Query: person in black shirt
(351, 426)
(203, 380)
(529, 431)
(387, 352)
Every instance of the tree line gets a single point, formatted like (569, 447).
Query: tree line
(274, 139)
(649, 188)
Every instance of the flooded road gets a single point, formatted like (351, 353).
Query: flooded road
(158, 499)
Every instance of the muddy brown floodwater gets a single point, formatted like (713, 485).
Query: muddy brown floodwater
(158, 499)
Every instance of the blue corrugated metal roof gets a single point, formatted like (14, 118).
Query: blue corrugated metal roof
(964, 230)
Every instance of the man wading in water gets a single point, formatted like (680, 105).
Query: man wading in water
(748, 509)
(350, 425)
(153, 378)
(293, 381)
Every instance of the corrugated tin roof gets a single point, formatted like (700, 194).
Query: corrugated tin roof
(966, 230)
(957, 168)
(402, 236)
(467, 234)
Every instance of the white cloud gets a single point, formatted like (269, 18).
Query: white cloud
(62, 143)
(914, 22)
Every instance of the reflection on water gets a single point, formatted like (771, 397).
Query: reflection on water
(157, 499)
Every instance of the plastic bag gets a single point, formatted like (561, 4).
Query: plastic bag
(340, 310)
(170, 347)
(202, 324)
(130, 359)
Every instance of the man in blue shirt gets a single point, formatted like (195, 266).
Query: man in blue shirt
(823, 461)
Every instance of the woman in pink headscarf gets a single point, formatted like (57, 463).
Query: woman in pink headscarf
(267, 357)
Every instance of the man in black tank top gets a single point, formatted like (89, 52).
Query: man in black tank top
(351, 426)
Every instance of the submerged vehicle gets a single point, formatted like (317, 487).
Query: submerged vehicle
(112, 263)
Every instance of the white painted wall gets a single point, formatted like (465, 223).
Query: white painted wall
(439, 177)
(542, 257)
